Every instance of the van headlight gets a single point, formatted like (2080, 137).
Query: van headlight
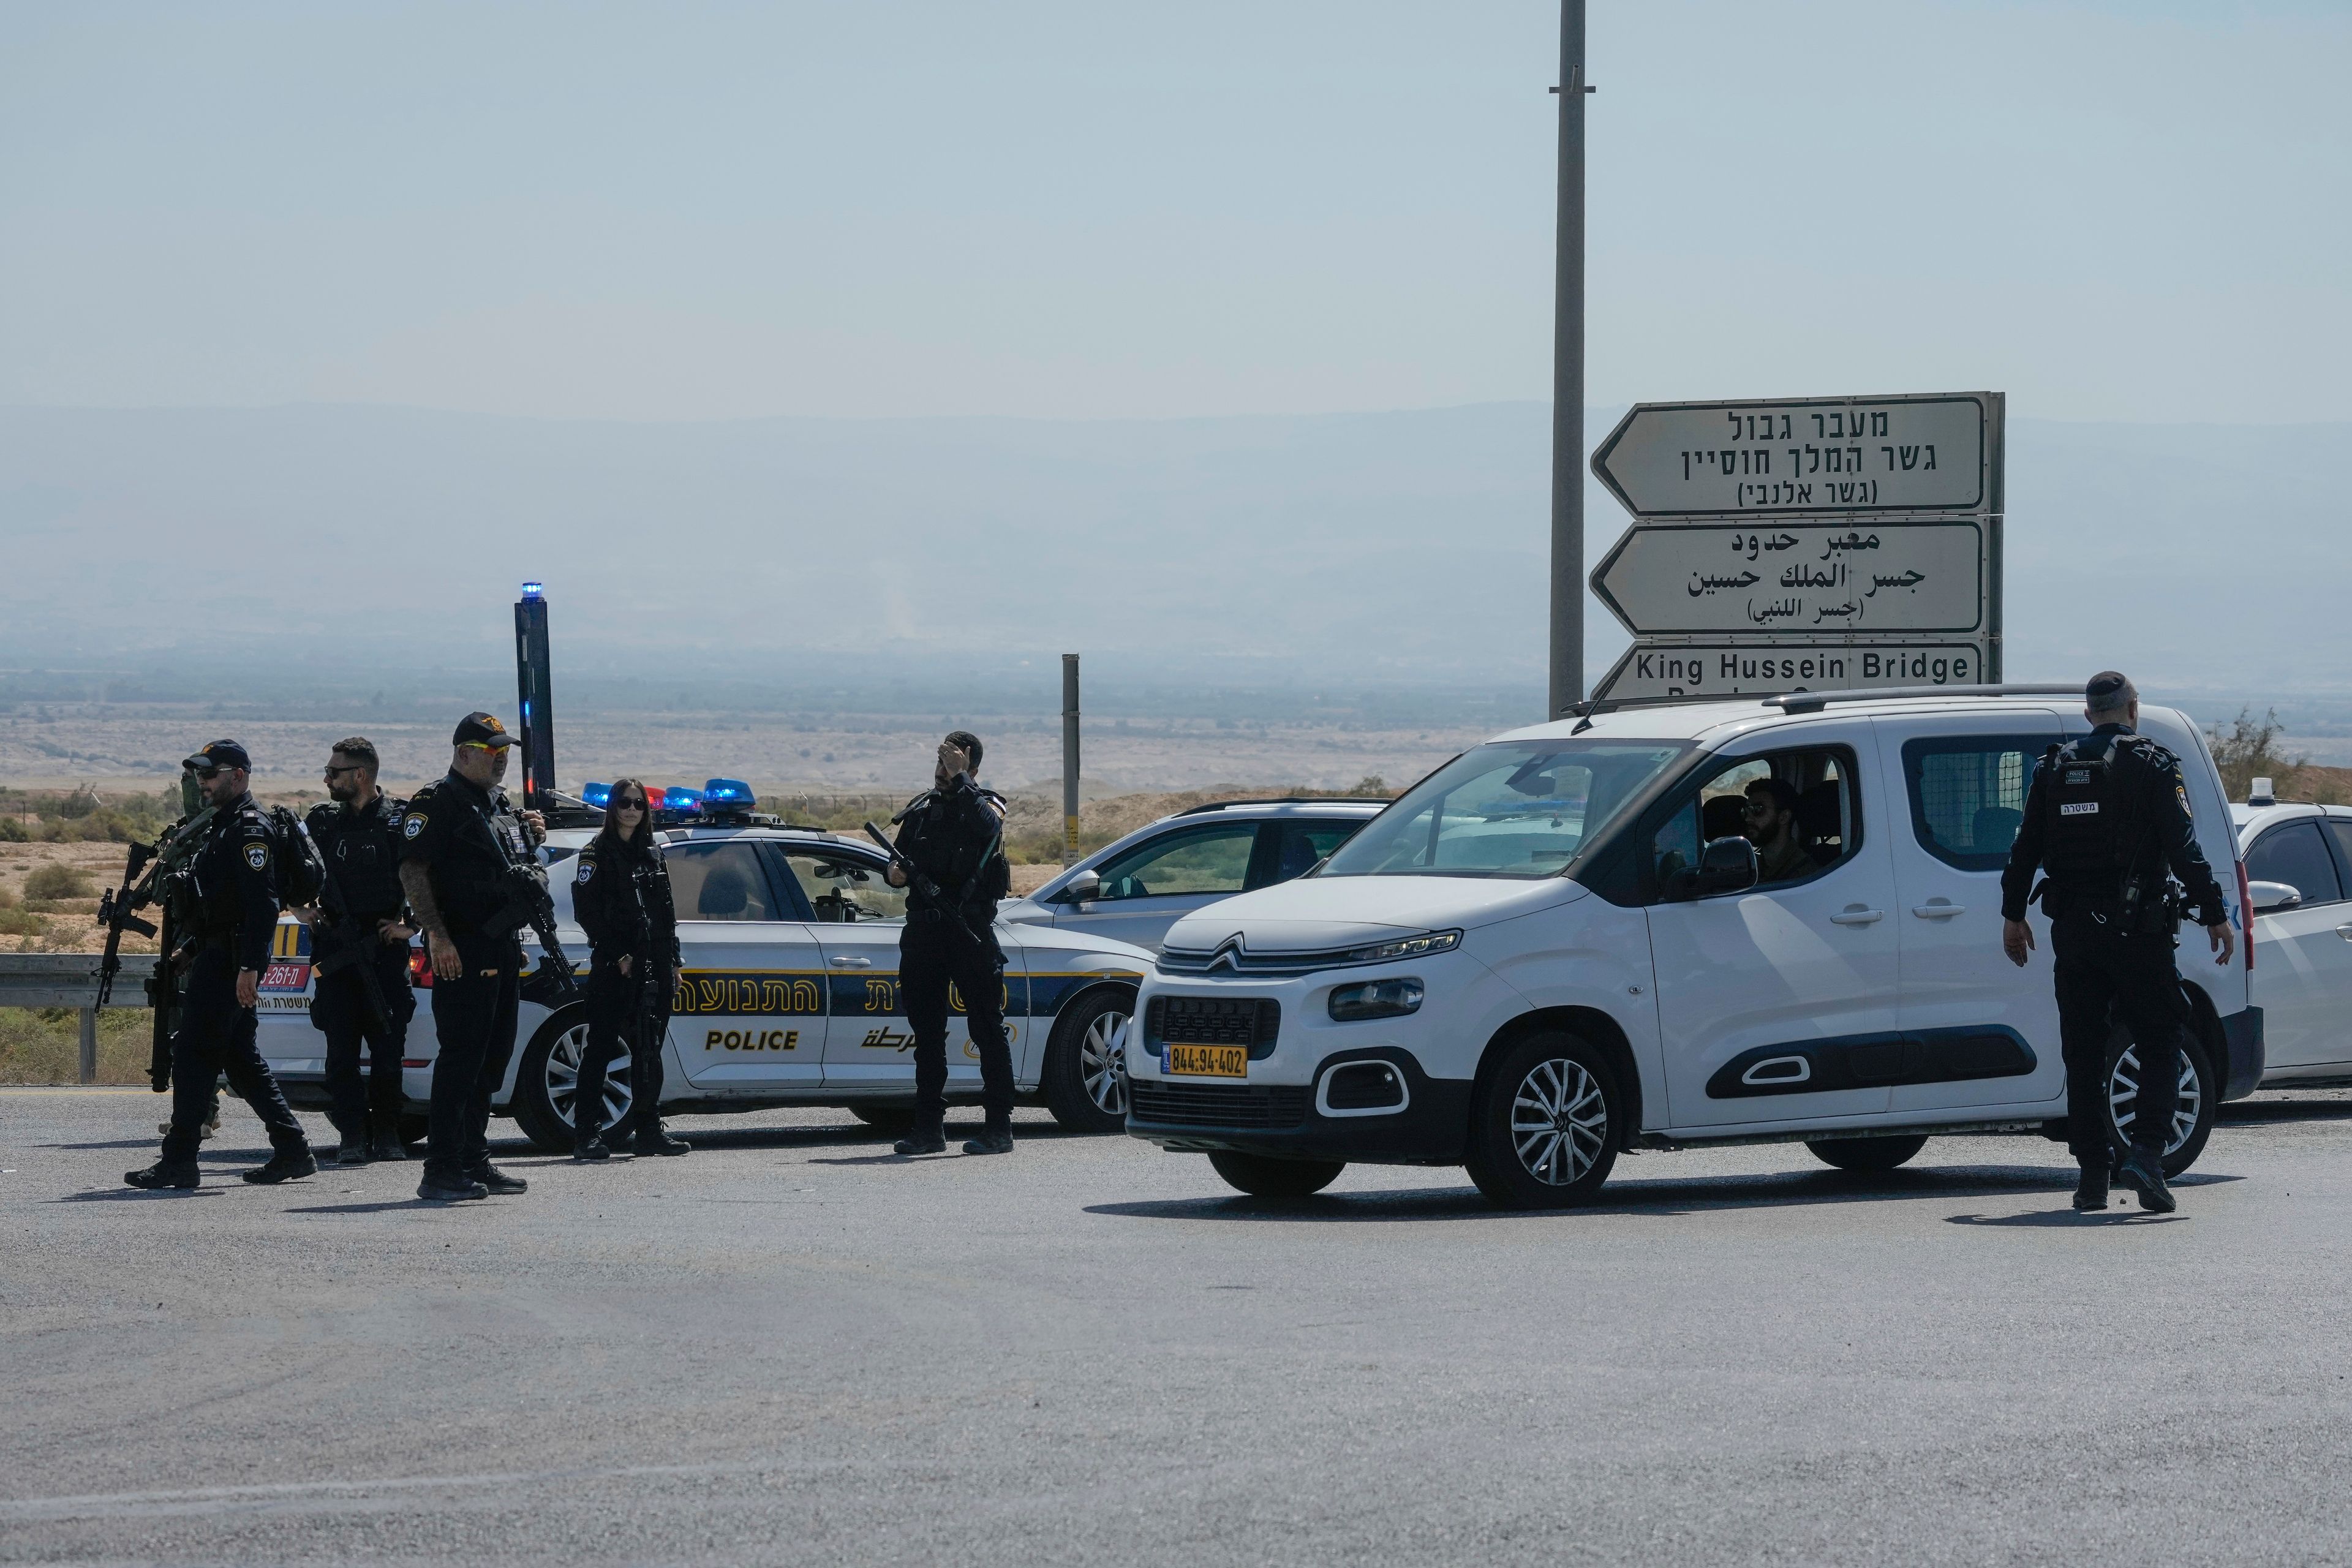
(1375, 999)
(1418, 946)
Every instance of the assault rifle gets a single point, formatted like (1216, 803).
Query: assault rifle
(163, 863)
(532, 906)
(338, 943)
(952, 912)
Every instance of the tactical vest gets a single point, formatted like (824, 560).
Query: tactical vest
(2089, 829)
(362, 855)
(301, 869)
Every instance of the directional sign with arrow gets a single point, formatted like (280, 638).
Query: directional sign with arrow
(1803, 579)
(1817, 458)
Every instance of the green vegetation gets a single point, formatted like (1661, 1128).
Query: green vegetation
(86, 817)
(2250, 750)
(44, 1045)
(58, 881)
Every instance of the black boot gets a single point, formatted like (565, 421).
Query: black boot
(284, 1167)
(590, 1148)
(161, 1175)
(652, 1139)
(992, 1141)
(925, 1138)
(433, 1189)
(352, 1146)
(384, 1142)
(490, 1176)
(2143, 1171)
(2091, 1192)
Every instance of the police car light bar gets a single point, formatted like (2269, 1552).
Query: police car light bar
(677, 798)
(599, 795)
(726, 793)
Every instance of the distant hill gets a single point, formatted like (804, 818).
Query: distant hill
(1403, 550)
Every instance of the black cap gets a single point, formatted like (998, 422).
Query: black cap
(2102, 686)
(481, 729)
(219, 755)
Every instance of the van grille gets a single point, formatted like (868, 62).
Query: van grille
(1218, 1105)
(1251, 1021)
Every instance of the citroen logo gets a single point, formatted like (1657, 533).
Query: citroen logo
(1228, 954)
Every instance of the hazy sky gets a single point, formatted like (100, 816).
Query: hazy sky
(2135, 210)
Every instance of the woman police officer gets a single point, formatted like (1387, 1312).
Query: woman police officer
(621, 896)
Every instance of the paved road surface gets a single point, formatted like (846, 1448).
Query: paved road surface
(790, 1348)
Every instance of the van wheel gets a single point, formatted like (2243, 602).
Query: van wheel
(550, 1077)
(1086, 1064)
(1543, 1132)
(1262, 1176)
(2192, 1117)
(1865, 1153)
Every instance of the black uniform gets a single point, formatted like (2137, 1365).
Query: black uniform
(2107, 837)
(362, 849)
(954, 838)
(621, 896)
(476, 852)
(235, 909)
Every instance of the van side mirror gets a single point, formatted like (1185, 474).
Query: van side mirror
(2270, 898)
(1081, 889)
(1726, 866)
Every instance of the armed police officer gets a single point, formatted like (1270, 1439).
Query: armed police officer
(954, 839)
(621, 896)
(359, 951)
(465, 860)
(229, 904)
(2107, 816)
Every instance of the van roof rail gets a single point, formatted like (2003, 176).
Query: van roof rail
(1814, 701)
(1287, 800)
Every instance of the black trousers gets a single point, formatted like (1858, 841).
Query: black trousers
(340, 1010)
(2104, 974)
(215, 1036)
(933, 955)
(618, 1026)
(474, 1018)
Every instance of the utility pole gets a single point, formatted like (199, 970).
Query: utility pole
(1567, 376)
(1069, 758)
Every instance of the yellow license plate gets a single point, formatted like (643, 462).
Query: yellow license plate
(1209, 1061)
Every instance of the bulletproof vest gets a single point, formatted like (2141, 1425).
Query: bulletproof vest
(362, 855)
(213, 871)
(300, 870)
(2094, 826)
(963, 852)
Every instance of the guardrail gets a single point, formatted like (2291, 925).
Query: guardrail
(70, 980)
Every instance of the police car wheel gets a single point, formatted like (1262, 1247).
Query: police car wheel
(1865, 1153)
(550, 1075)
(1544, 1128)
(1086, 1063)
(1263, 1177)
(2192, 1117)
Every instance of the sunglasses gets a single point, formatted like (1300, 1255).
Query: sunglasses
(476, 746)
(628, 806)
(334, 772)
(206, 775)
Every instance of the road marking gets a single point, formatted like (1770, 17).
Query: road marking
(73, 1088)
(215, 1500)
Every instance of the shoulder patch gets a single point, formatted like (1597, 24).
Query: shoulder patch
(587, 872)
(256, 854)
(413, 825)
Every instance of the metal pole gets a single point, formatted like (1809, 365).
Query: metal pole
(89, 1044)
(1069, 758)
(1568, 377)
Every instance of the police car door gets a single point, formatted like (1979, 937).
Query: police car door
(749, 1011)
(2306, 978)
(1984, 1032)
(1778, 1004)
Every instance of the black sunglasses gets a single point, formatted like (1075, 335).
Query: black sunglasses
(334, 772)
(206, 775)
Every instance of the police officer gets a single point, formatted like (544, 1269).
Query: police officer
(464, 855)
(2107, 816)
(360, 931)
(621, 896)
(232, 906)
(953, 835)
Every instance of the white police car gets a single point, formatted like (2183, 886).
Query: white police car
(1556, 948)
(1134, 889)
(788, 993)
(2298, 861)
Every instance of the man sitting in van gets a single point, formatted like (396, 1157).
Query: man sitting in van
(1770, 824)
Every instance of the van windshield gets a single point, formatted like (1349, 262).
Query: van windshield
(1514, 809)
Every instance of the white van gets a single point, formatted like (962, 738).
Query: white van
(1534, 959)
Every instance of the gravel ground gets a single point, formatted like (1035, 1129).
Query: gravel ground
(792, 1347)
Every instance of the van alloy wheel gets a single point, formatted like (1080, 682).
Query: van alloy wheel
(2194, 1113)
(1559, 1122)
(1545, 1123)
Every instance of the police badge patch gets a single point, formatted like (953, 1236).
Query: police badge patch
(413, 826)
(257, 857)
(587, 871)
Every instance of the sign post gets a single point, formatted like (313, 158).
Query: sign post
(1805, 544)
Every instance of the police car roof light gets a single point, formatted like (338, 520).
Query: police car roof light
(534, 590)
(729, 790)
(677, 798)
(599, 795)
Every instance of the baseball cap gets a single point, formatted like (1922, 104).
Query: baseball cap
(2102, 686)
(481, 729)
(219, 754)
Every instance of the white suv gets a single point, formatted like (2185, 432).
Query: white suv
(2299, 883)
(1556, 947)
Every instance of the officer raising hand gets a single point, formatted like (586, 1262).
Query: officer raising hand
(2107, 816)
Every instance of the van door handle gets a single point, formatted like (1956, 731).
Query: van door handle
(2345, 931)
(843, 960)
(1939, 911)
(1856, 916)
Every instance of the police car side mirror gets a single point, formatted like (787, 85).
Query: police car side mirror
(1081, 889)
(1726, 866)
(2269, 898)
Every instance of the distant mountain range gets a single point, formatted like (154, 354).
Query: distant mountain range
(1403, 552)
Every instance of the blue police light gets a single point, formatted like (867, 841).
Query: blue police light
(727, 792)
(677, 798)
(599, 795)
(533, 590)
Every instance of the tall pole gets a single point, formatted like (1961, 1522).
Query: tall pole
(1568, 377)
(1069, 758)
(535, 695)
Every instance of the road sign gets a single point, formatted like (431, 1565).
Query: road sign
(1802, 578)
(1703, 668)
(1807, 456)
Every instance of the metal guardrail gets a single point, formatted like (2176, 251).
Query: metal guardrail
(70, 980)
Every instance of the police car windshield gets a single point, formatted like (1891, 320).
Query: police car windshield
(1515, 808)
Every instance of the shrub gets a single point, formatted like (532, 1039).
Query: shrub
(55, 879)
(11, 831)
(22, 922)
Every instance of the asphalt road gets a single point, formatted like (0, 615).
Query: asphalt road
(791, 1348)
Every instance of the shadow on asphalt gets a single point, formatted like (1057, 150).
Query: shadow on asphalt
(1661, 1197)
(2066, 1219)
(137, 1195)
(2285, 1111)
(390, 1207)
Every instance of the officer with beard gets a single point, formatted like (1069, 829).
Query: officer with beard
(362, 935)
(462, 850)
